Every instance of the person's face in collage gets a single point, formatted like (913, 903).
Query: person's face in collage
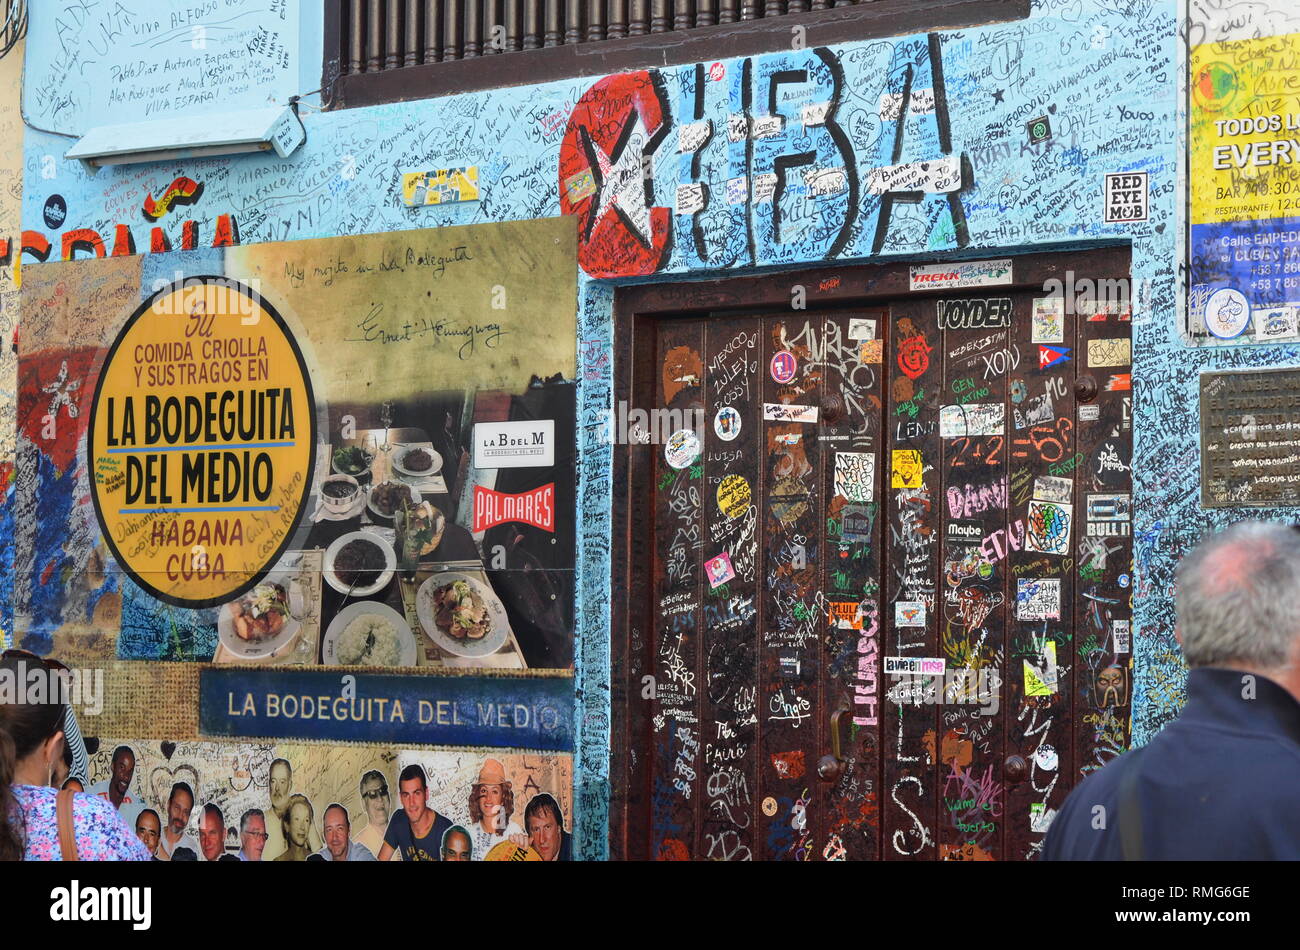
(281, 781)
(336, 833)
(299, 822)
(123, 771)
(545, 834)
(178, 811)
(212, 836)
(147, 830)
(456, 848)
(375, 794)
(490, 801)
(413, 793)
(254, 839)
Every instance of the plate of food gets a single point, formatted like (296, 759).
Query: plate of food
(352, 460)
(368, 633)
(417, 461)
(426, 523)
(359, 563)
(387, 497)
(462, 614)
(261, 621)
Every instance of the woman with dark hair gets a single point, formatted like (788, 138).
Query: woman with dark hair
(31, 743)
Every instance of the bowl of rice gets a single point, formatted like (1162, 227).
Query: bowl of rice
(368, 633)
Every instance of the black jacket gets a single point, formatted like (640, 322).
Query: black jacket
(1218, 784)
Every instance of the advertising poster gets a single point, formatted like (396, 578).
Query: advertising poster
(345, 452)
(1245, 189)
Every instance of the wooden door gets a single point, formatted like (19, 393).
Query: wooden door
(886, 593)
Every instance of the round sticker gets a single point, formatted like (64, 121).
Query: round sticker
(769, 806)
(683, 448)
(727, 423)
(201, 442)
(1123, 580)
(1226, 313)
(784, 366)
(55, 212)
(733, 496)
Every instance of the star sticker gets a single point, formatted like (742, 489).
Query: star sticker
(61, 388)
(620, 177)
(997, 95)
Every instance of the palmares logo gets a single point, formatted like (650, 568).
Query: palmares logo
(201, 441)
(536, 508)
(103, 903)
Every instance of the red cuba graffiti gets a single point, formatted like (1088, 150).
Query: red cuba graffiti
(606, 181)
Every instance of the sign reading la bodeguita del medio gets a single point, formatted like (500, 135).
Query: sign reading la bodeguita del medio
(201, 441)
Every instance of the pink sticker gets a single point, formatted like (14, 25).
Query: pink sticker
(719, 569)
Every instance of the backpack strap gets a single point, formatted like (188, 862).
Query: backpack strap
(67, 832)
(1130, 809)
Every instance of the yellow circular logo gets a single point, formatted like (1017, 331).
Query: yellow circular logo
(202, 441)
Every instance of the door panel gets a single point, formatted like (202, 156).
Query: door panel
(974, 436)
(1040, 663)
(791, 705)
(679, 540)
(911, 572)
(1103, 610)
(730, 648)
(852, 353)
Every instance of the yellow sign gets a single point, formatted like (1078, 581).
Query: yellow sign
(906, 469)
(1245, 117)
(201, 442)
(1244, 176)
(733, 496)
(441, 186)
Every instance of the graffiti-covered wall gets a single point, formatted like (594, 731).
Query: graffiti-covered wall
(1062, 129)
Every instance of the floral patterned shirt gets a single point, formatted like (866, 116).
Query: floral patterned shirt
(102, 835)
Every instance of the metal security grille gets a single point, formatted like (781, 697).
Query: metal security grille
(14, 26)
(379, 35)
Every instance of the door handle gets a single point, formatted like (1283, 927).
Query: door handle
(1015, 769)
(830, 766)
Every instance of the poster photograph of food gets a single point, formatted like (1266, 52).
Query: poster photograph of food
(353, 452)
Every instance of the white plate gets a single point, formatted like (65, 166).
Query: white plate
(370, 495)
(253, 649)
(386, 575)
(496, 636)
(400, 456)
(341, 621)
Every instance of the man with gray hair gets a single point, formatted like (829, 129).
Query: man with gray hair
(1219, 783)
